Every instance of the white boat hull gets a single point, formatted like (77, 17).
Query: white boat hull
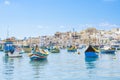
(13, 55)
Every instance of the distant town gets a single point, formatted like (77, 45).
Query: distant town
(63, 39)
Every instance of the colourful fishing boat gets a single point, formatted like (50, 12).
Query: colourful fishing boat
(38, 54)
(54, 50)
(72, 49)
(91, 52)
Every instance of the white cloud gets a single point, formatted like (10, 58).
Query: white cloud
(6, 2)
(106, 24)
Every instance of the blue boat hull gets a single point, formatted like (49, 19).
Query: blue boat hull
(37, 58)
(108, 51)
(91, 54)
(75, 50)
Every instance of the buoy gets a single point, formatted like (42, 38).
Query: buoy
(78, 52)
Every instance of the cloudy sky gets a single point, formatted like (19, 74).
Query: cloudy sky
(44, 17)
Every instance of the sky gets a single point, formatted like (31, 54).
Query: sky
(32, 18)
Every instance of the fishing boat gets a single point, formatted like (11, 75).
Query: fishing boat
(54, 50)
(38, 54)
(8, 45)
(14, 54)
(71, 49)
(116, 47)
(27, 49)
(11, 50)
(107, 50)
(91, 52)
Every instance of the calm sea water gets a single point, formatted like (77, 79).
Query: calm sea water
(61, 66)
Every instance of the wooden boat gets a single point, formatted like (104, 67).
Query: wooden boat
(115, 44)
(72, 49)
(54, 50)
(115, 47)
(27, 49)
(39, 55)
(91, 52)
(107, 50)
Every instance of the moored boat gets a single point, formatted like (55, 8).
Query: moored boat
(38, 54)
(72, 49)
(107, 50)
(8, 45)
(14, 54)
(115, 47)
(11, 50)
(54, 50)
(27, 49)
(91, 52)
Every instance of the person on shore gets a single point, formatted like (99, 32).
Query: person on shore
(12, 49)
(37, 48)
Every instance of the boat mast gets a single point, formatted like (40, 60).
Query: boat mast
(73, 36)
(7, 32)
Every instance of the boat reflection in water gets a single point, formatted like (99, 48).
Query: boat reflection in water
(8, 69)
(90, 62)
(38, 68)
(90, 67)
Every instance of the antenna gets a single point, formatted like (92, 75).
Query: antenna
(73, 30)
(7, 31)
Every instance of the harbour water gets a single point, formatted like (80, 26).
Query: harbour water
(61, 66)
